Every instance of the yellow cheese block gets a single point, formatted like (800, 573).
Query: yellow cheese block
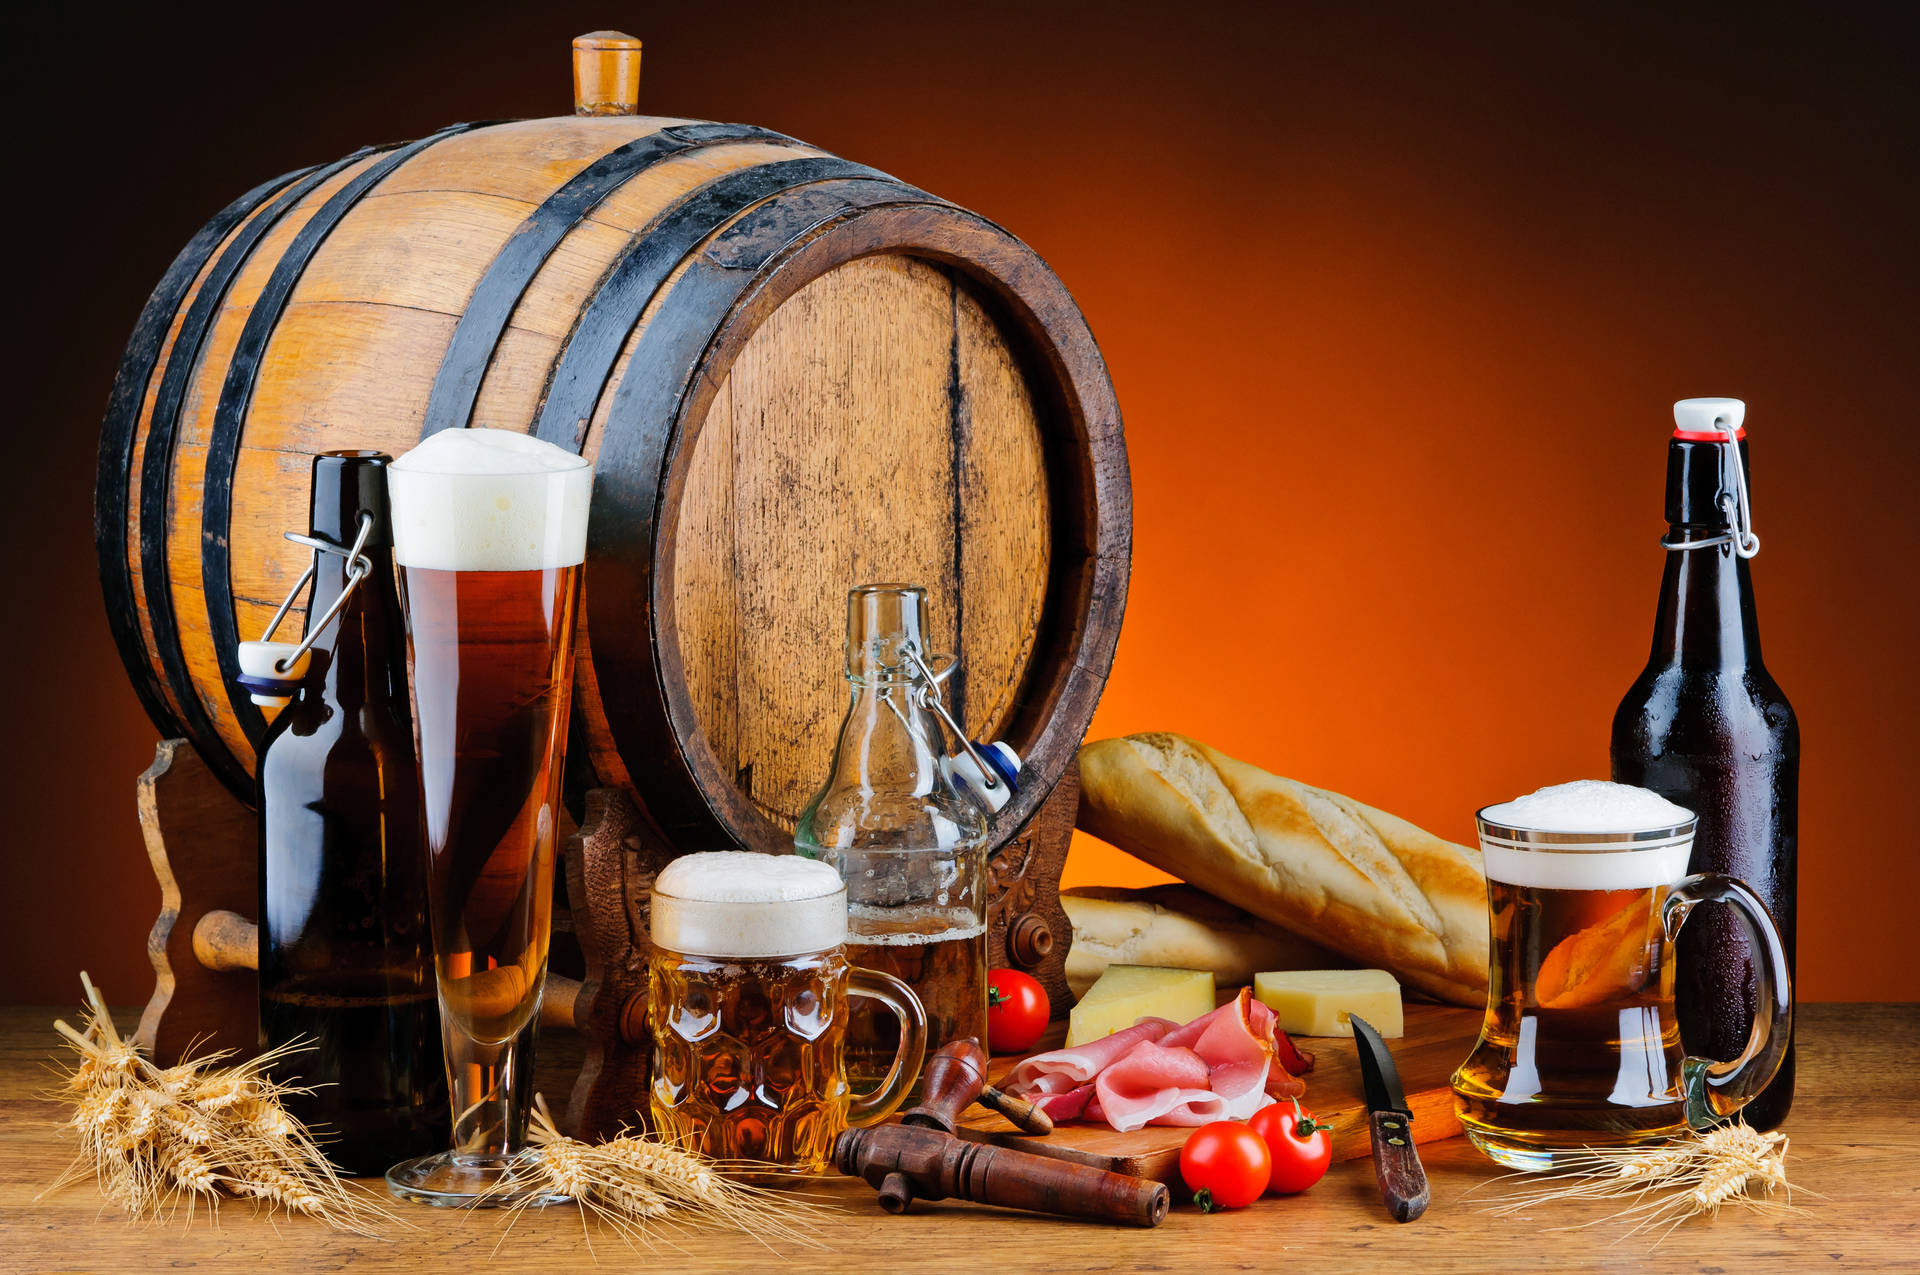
(1320, 1002)
(1125, 994)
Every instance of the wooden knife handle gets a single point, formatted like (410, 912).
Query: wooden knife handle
(1396, 1164)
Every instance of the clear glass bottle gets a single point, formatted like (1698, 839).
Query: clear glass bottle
(911, 848)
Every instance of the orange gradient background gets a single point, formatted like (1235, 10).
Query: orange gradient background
(1396, 302)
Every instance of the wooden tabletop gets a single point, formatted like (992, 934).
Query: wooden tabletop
(1856, 1141)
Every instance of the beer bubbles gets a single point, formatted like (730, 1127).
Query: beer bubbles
(1587, 835)
(741, 904)
(1589, 805)
(490, 500)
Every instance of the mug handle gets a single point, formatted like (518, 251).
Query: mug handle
(872, 1108)
(1715, 1090)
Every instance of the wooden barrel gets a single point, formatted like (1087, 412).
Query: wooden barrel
(794, 374)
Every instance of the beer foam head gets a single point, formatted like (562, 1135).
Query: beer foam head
(489, 500)
(1587, 835)
(736, 903)
(1589, 805)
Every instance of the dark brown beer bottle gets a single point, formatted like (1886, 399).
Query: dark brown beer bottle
(1706, 726)
(346, 957)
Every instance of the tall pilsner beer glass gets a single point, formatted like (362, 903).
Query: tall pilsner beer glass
(490, 529)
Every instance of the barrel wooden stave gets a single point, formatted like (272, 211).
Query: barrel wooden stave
(878, 419)
(755, 627)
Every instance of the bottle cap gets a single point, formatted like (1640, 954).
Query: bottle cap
(965, 774)
(261, 676)
(1705, 420)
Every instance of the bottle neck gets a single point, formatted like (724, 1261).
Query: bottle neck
(360, 659)
(1706, 614)
(878, 749)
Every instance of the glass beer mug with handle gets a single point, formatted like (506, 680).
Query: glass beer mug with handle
(1587, 885)
(748, 992)
(490, 531)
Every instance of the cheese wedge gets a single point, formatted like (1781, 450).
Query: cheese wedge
(1320, 1002)
(1125, 994)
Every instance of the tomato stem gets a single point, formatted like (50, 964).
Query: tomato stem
(995, 995)
(1204, 1198)
(1304, 1125)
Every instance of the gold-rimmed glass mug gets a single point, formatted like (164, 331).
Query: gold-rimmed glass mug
(748, 986)
(1580, 1047)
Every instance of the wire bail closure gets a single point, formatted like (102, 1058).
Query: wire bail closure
(269, 669)
(930, 696)
(989, 773)
(1736, 505)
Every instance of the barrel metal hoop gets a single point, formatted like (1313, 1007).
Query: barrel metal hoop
(635, 448)
(111, 488)
(457, 385)
(587, 359)
(156, 466)
(236, 396)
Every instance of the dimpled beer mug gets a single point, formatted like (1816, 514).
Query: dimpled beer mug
(1587, 885)
(747, 998)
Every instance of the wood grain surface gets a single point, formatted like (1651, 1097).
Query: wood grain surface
(835, 379)
(1855, 1128)
(1437, 1038)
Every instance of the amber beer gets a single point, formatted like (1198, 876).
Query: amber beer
(492, 674)
(1580, 1047)
(490, 534)
(941, 955)
(749, 994)
(1579, 992)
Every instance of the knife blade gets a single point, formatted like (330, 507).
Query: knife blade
(1396, 1164)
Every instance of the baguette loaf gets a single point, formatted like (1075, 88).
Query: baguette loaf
(1181, 927)
(1334, 872)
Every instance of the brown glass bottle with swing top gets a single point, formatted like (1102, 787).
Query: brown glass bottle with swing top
(346, 957)
(1706, 726)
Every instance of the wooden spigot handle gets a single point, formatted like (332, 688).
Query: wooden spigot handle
(954, 1077)
(606, 74)
(1018, 1112)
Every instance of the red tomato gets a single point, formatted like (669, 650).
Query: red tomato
(1017, 1011)
(1301, 1146)
(1226, 1165)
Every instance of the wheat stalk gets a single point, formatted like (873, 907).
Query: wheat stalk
(158, 1140)
(1665, 1186)
(648, 1190)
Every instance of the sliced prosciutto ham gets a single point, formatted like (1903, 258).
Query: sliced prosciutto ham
(1157, 1084)
(1064, 1069)
(1224, 1065)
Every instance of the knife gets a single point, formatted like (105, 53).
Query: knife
(1403, 1181)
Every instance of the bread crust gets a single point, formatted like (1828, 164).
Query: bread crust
(1180, 927)
(1357, 880)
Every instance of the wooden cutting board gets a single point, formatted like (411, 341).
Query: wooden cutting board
(1438, 1038)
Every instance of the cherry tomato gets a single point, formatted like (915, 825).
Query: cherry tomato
(1301, 1146)
(1226, 1165)
(1017, 1011)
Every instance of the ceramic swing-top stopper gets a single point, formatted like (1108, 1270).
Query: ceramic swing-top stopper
(265, 682)
(965, 774)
